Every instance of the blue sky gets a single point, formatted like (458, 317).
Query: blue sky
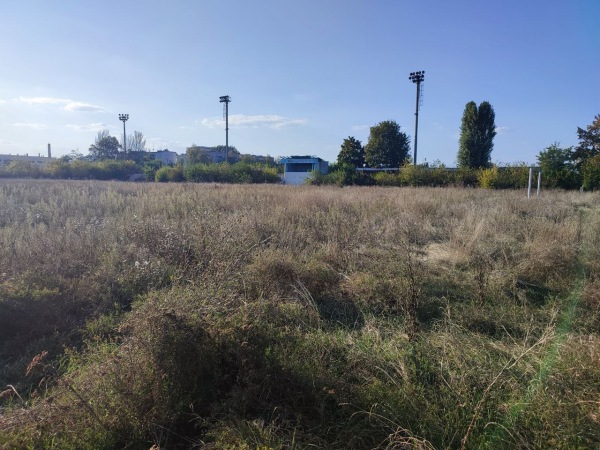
(302, 74)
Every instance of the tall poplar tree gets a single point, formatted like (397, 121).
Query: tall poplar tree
(478, 129)
(468, 138)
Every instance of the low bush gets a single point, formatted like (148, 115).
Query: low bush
(506, 177)
(231, 173)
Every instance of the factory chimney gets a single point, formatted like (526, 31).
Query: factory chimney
(49, 152)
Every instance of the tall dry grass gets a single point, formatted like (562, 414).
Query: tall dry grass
(250, 316)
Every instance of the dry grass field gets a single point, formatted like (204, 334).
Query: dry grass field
(258, 317)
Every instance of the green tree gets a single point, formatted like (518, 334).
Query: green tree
(486, 131)
(478, 129)
(589, 143)
(150, 168)
(59, 168)
(197, 155)
(558, 170)
(387, 146)
(105, 147)
(591, 173)
(352, 152)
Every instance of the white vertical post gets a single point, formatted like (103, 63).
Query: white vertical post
(539, 183)
(529, 184)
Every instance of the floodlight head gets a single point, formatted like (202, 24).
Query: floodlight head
(224, 99)
(123, 117)
(417, 77)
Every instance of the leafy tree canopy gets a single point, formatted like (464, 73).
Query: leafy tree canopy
(591, 173)
(589, 142)
(105, 147)
(387, 145)
(352, 152)
(557, 167)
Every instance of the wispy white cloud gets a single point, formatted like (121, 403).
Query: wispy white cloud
(360, 127)
(33, 126)
(186, 127)
(89, 127)
(502, 130)
(80, 106)
(262, 120)
(68, 104)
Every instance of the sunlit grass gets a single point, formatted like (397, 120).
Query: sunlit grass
(260, 316)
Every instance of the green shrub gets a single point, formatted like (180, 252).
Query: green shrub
(231, 173)
(387, 179)
(507, 177)
(169, 174)
(591, 173)
(20, 169)
(467, 177)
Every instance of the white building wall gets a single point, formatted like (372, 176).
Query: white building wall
(165, 156)
(295, 177)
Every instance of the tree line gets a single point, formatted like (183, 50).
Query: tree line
(388, 147)
(107, 159)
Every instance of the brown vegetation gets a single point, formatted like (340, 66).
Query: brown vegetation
(191, 316)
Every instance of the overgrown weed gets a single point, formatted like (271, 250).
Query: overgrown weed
(293, 317)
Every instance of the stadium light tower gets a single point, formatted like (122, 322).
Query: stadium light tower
(418, 78)
(226, 99)
(124, 118)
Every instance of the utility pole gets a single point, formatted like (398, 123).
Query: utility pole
(418, 78)
(226, 99)
(124, 118)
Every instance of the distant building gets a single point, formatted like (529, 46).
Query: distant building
(296, 169)
(39, 160)
(167, 157)
(216, 155)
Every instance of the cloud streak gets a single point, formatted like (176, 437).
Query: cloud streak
(68, 104)
(79, 106)
(256, 121)
(89, 127)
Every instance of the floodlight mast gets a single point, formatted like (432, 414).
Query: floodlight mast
(226, 99)
(418, 78)
(124, 118)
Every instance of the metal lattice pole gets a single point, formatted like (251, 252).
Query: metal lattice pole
(226, 99)
(418, 78)
(124, 118)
